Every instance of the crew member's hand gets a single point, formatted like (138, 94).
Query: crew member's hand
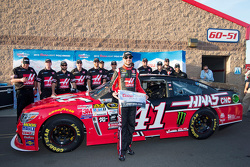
(146, 97)
(40, 92)
(24, 79)
(35, 91)
(53, 94)
(115, 95)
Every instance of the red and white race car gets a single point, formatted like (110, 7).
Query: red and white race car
(176, 107)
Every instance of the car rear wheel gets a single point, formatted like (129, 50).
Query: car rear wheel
(62, 133)
(202, 124)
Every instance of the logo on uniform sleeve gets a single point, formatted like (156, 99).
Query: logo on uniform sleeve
(96, 79)
(79, 80)
(64, 83)
(30, 77)
(48, 81)
(129, 82)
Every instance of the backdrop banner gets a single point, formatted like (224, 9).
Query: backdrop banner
(37, 59)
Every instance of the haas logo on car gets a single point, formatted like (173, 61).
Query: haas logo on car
(30, 77)
(96, 79)
(64, 83)
(47, 81)
(79, 80)
(129, 82)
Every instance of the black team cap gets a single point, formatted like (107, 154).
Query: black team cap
(159, 63)
(63, 63)
(96, 60)
(127, 54)
(47, 61)
(79, 61)
(113, 63)
(26, 60)
(166, 60)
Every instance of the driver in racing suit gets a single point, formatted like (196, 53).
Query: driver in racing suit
(126, 78)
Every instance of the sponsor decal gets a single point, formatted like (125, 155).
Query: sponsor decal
(79, 80)
(86, 109)
(103, 119)
(113, 117)
(98, 109)
(129, 82)
(232, 117)
(177, 130)
(110, 112)
(99, 113)
(199, 101)
(48, 81)
(222, 117)
(28, 130)
(112, 105)
(225, 100)
(87, 116)
(106, 100)
(99, 106)
(96, 79)
(30, 79)
(29, 125)
(29, 137)
(64, 83)
(29, 142)
(235, 98)
(112, 125)
(60, 110)
(181, 118)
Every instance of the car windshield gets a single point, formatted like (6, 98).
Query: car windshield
(100, 90)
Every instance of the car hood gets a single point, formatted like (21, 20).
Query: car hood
(61, 100)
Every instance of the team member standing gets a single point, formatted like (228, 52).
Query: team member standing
(111, 72)
(160, 69)
(145, 69)
(44, 80)
(96, 76)
(167, 67)
(24, 79)
(105, 72)
(178, 72)
(63, 80)
(126, 78)
(80, 75)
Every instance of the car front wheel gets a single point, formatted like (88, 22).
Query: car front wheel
(62, 133)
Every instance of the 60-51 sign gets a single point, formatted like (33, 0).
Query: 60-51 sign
(223, 35)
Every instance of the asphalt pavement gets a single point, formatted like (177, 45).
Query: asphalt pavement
(229, 147)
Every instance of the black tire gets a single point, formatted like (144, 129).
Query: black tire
(62, 133)
(203, 124)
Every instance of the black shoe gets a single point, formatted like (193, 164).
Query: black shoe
(130, 151)
(122, 157)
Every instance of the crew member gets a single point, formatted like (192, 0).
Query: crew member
(113, 68)
(44, 80)
(126, 78)
(105, 72)
(167, 67)
(178, 72)
(160, 69)
(96, 76)
(63, 80)
(80, 75)
(145, 69)
(24, 78)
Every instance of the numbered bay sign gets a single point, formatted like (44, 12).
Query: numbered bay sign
(223, 35)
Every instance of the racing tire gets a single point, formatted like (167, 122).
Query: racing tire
(62, 133)
(203, 124)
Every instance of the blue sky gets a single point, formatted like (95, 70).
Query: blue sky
(235, 8)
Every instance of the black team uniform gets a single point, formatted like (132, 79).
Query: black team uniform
(63, 81)
(80, 78)
(110, 75)
(24, 90)
(143, 70)
(45, 77)
(180, 74)
(126, 78)
(96, 77)
(163, 72)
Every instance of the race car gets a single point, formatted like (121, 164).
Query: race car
(176, 107)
